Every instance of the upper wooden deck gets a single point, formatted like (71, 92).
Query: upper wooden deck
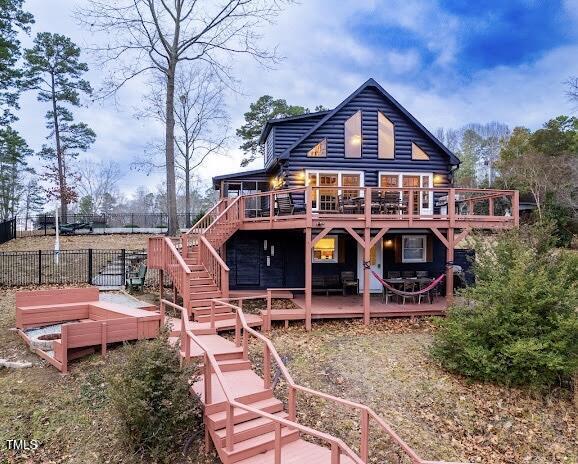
(403, 208)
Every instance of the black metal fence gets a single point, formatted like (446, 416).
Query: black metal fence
(7, 230)
(126, 223)
(103, 268)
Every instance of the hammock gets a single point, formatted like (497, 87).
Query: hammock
(401, 292)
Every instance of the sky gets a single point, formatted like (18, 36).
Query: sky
(448, 62)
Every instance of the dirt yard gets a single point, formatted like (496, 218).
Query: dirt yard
(443, 416)
(385, 366)
(77, 242)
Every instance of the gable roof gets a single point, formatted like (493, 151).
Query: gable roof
(372, 83)
(271, 122)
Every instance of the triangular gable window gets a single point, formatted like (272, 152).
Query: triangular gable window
(319, 150)
(417, 153)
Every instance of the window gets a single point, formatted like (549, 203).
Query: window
(353, 136)
(319, 150)
(327, 187)
(413, 249)
(325, 250)
(351, 180)
(385, 137)
(417, 153)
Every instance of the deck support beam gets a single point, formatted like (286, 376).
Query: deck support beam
(450, 267)
(320, 235)
(366, 277)
(308, 277)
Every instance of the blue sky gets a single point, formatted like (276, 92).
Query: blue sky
(449, 62)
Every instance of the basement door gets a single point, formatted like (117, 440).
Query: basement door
(376, 260)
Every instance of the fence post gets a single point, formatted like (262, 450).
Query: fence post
(40, 266)
(90, 266)
(123, 261)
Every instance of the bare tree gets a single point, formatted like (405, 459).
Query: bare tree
(572, 92)
(202, 125)
(157, 35)
(98, 180)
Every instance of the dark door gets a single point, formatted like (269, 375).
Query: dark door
(248, 262)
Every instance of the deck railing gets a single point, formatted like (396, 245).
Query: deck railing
(456, 205)
(162, 254)
(270, 355)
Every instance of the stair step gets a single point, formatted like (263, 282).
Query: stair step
(206, 310)
(200, 288)
(206, 295)
(201, 281)
(196, 267)
(248, 429)
(202, 302)
(218, 420)
(200, 274)
(230, 365)
(218, 317)
(260, 444)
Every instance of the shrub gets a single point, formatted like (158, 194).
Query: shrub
(149, 395)
(518, 325)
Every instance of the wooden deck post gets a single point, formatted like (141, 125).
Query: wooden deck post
(366, 276)
(308, 278)
(449, 267)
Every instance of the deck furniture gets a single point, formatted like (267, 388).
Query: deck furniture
(136, 279)
(327, 284)
(348, 281)
(70, 229)
(85, 322)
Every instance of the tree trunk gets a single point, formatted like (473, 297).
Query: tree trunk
(59, 157)
(187, 186)
(170, 153)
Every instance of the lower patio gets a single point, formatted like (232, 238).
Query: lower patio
(351, 307)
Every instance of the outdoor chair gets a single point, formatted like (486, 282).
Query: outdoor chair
(347, 205)
(136, 279)
(391, 202)
(393, 274)
(285, 204)
(407, 274)
(348, 280)
(421, 274)
(376, 202)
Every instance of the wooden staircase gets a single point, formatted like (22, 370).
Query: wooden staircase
(196, 268)
(244, 420)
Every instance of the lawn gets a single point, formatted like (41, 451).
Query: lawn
(79, 242)
(385, 366)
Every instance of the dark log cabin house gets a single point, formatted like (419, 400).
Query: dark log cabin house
(365, 182)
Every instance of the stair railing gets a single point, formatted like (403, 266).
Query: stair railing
(173, 263)
(191, 236)
(214, 265)
(365, 412)
(211, 366)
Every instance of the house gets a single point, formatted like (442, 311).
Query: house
(364, 182)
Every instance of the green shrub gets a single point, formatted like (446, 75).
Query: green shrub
(518, 325)
(149, 394)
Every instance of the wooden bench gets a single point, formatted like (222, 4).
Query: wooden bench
(95, 322)
(326, 284)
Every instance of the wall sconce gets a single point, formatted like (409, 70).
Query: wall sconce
(438, 179)
(388, 243)
(277, 182)
(265, 245)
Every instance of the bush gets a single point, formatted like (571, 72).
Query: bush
(149, 394)
(518, 325)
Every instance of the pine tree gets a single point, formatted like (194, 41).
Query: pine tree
(53, 69)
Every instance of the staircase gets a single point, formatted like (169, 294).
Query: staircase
(196, 268)
(245, 421)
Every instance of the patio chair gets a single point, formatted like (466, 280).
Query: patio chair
(420, 274)
(376, 202)
(285, 204)
(347, 205)
(393, 274)
(391, 202)
(348, 280)
(136, 279)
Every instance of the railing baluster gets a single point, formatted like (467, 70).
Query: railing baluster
(266, 366)
(278, 444)
(335, 453)
(230, 426)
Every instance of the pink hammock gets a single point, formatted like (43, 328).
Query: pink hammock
(402, 293)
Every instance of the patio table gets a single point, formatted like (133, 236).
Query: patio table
(401, 281)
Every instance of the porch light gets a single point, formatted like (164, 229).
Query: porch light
(438, 179)
(277, 182)
(388, 243)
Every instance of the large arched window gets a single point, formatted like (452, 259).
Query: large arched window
(353, 136)
(385, 137)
